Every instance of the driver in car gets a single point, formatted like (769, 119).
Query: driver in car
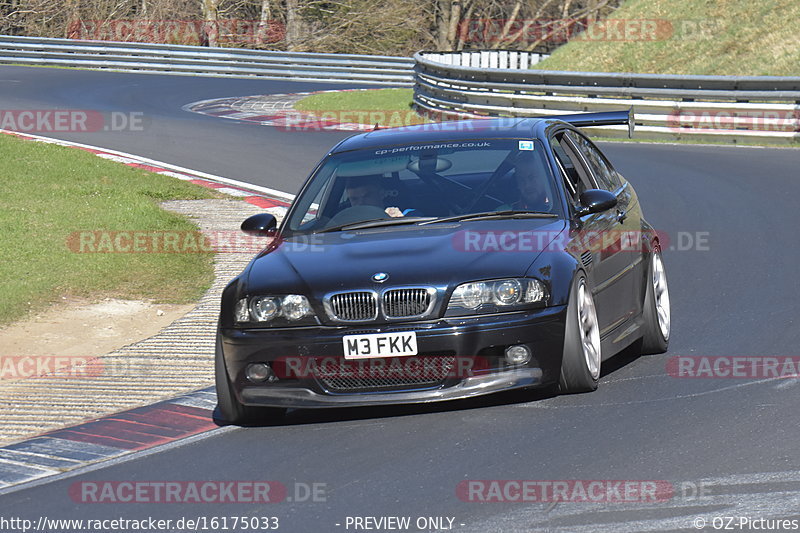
(368, 190)
(530, 179)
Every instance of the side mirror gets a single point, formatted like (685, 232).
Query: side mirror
(595, 201)
(262, 224)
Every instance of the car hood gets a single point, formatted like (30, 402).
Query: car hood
(437, 255)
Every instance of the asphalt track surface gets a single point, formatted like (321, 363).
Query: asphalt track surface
(739, 297)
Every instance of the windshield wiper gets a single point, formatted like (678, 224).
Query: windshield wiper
(509, 213)
(377, 223)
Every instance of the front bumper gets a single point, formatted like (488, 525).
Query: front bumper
(484, 337)
(466, 388)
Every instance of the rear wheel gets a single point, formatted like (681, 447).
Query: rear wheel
(582, 357)
(656, 309)
(229, 409)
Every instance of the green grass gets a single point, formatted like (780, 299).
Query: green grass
(711, 37)
(51, 192)
(42, 66)
(372, 99)
(386, 107)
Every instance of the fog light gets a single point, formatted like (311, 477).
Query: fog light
(258, 372)
(519, 354)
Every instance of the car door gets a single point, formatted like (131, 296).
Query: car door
(605, 270)
(621, 249)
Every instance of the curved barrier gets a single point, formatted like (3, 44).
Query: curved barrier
(763, 109)
(204, 61)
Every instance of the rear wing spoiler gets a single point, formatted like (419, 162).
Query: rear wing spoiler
(605, 118)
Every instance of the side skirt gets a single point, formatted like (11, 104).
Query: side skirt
(622, 336)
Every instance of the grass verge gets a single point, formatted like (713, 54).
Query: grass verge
(724, 37)
(49, 192)
(385, 107)
(368, 100)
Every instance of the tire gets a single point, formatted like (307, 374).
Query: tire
(656, 307)
(582, 357)
(229, 410)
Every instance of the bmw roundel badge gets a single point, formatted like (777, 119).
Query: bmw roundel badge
(380, 277)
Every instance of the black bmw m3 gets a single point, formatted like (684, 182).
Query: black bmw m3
(439, 262)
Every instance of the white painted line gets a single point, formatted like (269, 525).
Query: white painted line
(63, 448)
(789, 382)
(120, 159)
(31, 466)
(234, 192)
(184, 177)
(144, 160)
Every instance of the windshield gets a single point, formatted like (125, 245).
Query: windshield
(423, 182)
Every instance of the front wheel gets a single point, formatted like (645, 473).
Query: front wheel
(656, 309)
(582, 357)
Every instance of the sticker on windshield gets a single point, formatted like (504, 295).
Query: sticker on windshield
(440, 146)
(526, 145)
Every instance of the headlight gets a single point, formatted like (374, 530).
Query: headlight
(470, 295)
(264, 308)
(508, 292)
(496, 296)
(290, 309)
(241, 313)
(295, 307)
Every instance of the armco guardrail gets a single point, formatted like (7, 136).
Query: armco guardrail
(763, 109)
(204, 61)
(487, 58)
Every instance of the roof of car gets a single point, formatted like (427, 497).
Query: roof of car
(445, 131)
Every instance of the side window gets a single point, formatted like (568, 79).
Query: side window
(576, 177)
(607, 177)
(313, 198)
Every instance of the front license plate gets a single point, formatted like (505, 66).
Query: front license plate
(380, 345)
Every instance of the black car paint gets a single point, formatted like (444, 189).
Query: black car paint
(415, 255)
